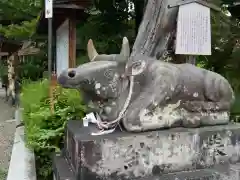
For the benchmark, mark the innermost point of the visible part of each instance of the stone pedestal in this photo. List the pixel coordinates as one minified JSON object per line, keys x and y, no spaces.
{"x":203,"y":153}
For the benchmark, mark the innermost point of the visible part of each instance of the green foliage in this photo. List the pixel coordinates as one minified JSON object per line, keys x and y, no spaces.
{"x":32,"y":68}
{"x":19,"y":9}
{"x":3,"y":70}
{"x":235,"y":110}
{"x":19,"y":31}
{"x":236,"y":106}
{"x":18,"y":18}
{"x":108,"y":23}
{"x":45,"y":130}
{"x":3,"y":174}
{"x":82,"y":59}
{"x":106,"y":37}
{"x":225,"y":49}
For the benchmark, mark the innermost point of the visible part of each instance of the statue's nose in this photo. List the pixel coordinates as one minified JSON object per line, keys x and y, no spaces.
{"x":71,"y":73}
{"x":62,"y":80}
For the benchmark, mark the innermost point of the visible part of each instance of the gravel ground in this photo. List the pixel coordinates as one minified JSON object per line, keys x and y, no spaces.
{"x":7,"y":130}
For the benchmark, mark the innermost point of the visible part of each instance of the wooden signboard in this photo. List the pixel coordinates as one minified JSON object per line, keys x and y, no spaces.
{"x":193,"y":30}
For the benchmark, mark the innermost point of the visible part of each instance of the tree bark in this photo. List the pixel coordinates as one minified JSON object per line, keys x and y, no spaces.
{"x":157,"y":30}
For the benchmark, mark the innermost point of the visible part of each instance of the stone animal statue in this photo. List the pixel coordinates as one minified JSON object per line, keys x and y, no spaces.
{"x":148,"y":94}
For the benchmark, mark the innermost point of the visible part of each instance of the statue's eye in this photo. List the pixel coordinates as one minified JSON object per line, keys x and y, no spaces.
{"x":71,"y":74}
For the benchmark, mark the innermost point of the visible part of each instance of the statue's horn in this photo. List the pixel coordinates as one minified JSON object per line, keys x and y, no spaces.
{"x":125,"y":51}
{"x":92,"y":53}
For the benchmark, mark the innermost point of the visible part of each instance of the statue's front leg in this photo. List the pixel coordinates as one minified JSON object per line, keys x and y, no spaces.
{"x":146,"y":112}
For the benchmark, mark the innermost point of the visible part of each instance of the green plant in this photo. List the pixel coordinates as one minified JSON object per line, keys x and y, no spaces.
{"x":235,"y":110}
{"x":3,"y":72}
{"x":44,"y":129}
{"x":3,"y":174}
{"x":32,"y":68}
{"x":81,"y":60}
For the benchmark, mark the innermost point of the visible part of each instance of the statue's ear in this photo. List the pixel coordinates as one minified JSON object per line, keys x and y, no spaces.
{"x":92,"y":53}
{"x":135,"y":68}
{"x":125,"y":51}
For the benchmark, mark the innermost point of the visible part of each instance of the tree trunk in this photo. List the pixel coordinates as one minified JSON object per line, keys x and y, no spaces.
{"x":157,"y":30}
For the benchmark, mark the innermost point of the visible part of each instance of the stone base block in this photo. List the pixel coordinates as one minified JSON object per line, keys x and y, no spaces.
{"x":63,"y":171}
{"x":124,"y":155}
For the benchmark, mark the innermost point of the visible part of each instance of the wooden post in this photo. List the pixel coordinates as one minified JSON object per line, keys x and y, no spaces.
{"x":191,"y":59}
{"x":11,"y":87}
{"x":15,"y":63}
{"x":49,"y":16}
{"x":72,"y":41}
{"x":52,"y":89}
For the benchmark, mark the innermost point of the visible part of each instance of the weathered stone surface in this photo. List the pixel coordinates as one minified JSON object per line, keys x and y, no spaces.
{"x":203,"y":174}
{"x":126,"y":155}
{"x":147,"y":94}
{"x":218,"y":172}
{"x":61,"y":169}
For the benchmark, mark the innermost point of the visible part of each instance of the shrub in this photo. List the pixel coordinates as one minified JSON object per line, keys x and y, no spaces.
{"x":3,"y":174}
{"x":32,"y":68}
{"x":235,"y":110}
{"x":45,"y":130}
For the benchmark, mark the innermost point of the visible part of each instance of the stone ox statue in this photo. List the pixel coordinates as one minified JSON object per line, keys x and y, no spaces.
{"x":147,"y":94}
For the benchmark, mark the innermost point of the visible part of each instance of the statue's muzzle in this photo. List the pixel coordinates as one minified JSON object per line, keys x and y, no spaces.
{"x":66,"y":76}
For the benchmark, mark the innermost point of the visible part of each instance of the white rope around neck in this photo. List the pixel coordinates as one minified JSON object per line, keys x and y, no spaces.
{"x":106,"y":125}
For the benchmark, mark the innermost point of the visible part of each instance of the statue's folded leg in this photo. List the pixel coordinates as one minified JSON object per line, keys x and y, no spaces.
{"x":205,"y":106}
{"x":202,"y":113}
{"x":195,"y":119}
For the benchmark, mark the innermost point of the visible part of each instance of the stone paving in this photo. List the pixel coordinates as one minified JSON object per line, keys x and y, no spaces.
{"x":7,"y":130}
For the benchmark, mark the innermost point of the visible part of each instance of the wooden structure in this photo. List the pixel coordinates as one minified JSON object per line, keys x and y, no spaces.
{"x":17,"y":51}
{"x":10,"y":49}
{"x":66,"y":14}
{"x":27,"y":50}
